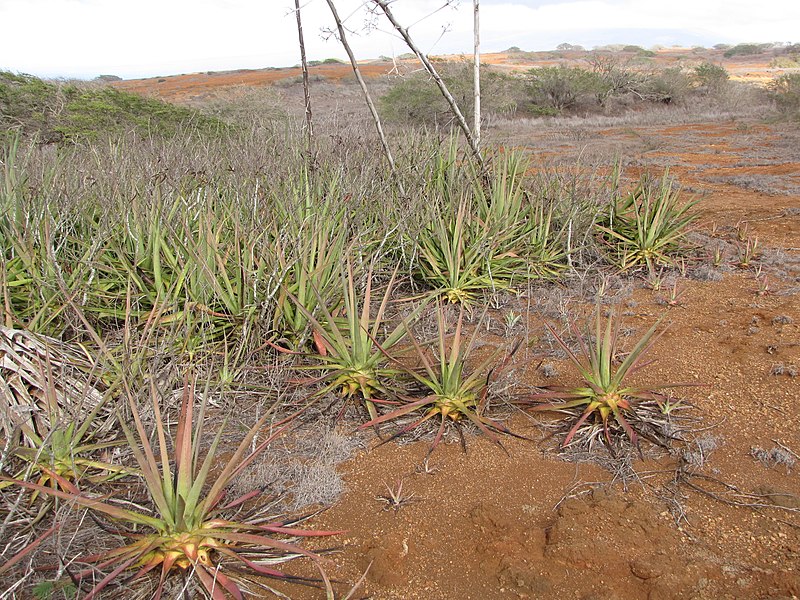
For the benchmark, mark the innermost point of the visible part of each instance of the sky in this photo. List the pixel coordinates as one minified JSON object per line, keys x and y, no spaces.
{"x":149,"y":38}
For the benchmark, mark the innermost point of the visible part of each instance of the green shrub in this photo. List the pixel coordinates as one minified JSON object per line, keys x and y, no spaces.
{"x":59,"y":112}
{"x":745,"y":50}
{"x":416,"y":99}
{"x":667,"y":86}
{"x":786,"y":92}
{"x":613,"y":79}
{"x":710,"y":78}
{"x":561,"y":88}
{"x":638,"y":50}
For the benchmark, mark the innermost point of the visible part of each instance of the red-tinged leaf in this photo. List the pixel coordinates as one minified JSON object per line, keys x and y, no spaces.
{"x":626,"y":426}
{"x":260,"y":540}
{"x":241,"y":500}
{"x":27,"y":550}
{"x":319,"y":342}
{"x":146,"y":569}
{"x":589,"y":410}
{"x":109,"y":578}
{"x":183,"y":441}
{"x":227,"y":583}
{"x":209,"y":583}
{"x":64,"y":483}
{"x":260,"y":569}
{"x":93,"y":503}
{"x":166,"y":565}
{"x":283,"y":350}
{"x":481,"y":424}
{"x":399,"y":412}
{"x":439,"y":435}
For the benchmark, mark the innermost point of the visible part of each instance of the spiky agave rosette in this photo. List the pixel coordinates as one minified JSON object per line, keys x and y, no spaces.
{"x":451,"y":394}
{"x":351,"y":347}
{"x":607,"y":404}
{"x":187,"y":531}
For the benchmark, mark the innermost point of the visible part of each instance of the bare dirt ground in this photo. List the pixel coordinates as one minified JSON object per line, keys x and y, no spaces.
{"x":716,"y":518}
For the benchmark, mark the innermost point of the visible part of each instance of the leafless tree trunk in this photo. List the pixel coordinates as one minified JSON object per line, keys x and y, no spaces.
{"x":462,"y":123}
{"x":387,"y":151}
{"x":476,"y":126}
{"x":306,"y":88}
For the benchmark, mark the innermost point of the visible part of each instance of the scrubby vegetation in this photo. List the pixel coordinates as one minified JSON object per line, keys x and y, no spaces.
{"x":67,"y":111}
{"x":171,"y":269}
{"x":786,"y":90}
{"x":607,"y":81}
{"x":417,"y":100}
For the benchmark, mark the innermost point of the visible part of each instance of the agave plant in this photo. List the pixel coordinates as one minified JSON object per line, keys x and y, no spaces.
{"x":647,"y":227}
{"x":53,"y":412}
{"x":310,"y":240}
{"x":187,"y":531}
{"x":545,"y":254}
{"x":451,"y":393}
{"x":352,"y":348}
{"x":453,"y":258}
{"x":606,"y":397}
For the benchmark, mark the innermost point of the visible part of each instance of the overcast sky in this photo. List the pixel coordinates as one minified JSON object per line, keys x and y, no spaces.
{"x":144,"y":38}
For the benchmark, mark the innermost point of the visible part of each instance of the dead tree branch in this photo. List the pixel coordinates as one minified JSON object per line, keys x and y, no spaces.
{"x":306,"y":88}
{"x":462,"y":123}
{"x":375,"y":117}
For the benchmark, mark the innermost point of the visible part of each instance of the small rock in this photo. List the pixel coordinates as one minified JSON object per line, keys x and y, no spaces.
{"x":645,"y":569}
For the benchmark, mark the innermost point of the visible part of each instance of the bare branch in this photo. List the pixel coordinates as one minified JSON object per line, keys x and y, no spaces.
{"x":387,"y":151}
{"x":306,"y":89}
{"x":462,"y":123}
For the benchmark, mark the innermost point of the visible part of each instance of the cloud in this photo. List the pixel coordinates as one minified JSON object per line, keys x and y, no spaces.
{"x":157,"y":37}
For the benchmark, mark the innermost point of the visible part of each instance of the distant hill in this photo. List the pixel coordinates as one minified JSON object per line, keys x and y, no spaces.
{"x":759,"y":67}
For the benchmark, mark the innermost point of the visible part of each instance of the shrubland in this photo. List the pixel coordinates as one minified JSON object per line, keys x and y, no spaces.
{"x":180,"y":268}
{"x":607,"y":83}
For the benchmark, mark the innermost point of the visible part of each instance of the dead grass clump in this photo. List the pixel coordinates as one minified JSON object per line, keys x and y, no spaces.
{"x":782,"y":369}
{"x":773,"y":457}
{"x":301,"y":473}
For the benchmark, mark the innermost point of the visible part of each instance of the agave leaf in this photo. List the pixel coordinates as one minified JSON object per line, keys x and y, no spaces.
{"x":258,"y":540}
{"x":110,"y":578}
{"x":183,"y":446}
{"x":236,"y":463}
{"x":93,"y":503}
{"x":9,"y":564}
{"x":209,"y":582}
